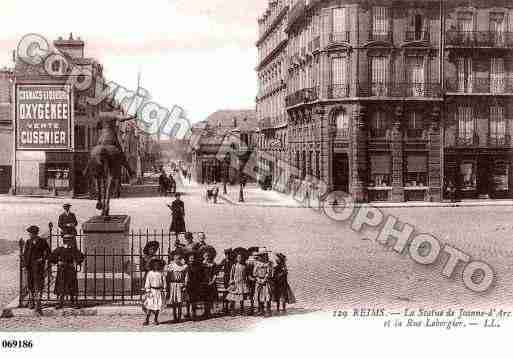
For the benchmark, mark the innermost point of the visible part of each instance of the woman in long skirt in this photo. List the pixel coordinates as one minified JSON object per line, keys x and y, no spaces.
{"x":193,"y":284}
{"x":177,"y":278}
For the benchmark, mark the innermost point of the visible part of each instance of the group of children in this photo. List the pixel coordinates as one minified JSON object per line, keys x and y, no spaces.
{"x":191,"y":276}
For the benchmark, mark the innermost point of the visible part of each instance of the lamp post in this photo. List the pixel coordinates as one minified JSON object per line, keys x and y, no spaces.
{"x":226,"y":173}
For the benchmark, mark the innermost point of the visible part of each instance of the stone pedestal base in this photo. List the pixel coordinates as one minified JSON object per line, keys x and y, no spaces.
{"x":107,"y":247}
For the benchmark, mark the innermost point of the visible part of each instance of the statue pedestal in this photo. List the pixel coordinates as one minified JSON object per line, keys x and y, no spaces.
{"x":107,"y":247}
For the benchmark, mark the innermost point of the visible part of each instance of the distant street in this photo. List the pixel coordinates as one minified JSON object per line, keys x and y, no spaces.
{"x":330,"y":266}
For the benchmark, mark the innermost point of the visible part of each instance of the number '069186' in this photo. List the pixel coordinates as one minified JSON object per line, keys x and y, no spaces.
{"x":17,"y":344}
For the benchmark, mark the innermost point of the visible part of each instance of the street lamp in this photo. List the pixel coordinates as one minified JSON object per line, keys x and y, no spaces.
{"x":226,"y":173}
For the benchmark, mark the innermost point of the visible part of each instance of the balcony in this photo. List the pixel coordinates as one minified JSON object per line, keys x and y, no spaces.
{"x":415,"y":133}
{"x":468,"y":140}
{"x":490,"y":39}
{"x":386,"y":37}
{"x":302,"y":96}
{"x":342,"y":133}
{"x":338,"y":91}
{"x":340,"y":37}
{"x":392,"y":89}
{"x":378,"y":133}
{"x":479,"y":85}
{"x":416,"y":36}
{"x":499,"y":140}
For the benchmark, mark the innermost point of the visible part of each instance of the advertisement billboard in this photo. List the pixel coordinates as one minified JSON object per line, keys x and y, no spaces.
{"x":43,"y":117}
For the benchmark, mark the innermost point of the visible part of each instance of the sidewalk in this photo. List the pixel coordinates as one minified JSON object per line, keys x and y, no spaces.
{"x":254,"y":196}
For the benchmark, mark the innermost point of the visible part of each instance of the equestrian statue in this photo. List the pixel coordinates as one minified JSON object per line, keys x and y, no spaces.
{"x":106,"y":160}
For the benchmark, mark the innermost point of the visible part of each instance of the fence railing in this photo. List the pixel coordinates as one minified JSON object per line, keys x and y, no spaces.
{"x":417,"y":35}
{"x":380,"y":36}
{"x":302,"y":96}
{"x":499,"y":39}
{"x":338,"y":91}
{"x":106,"y":276}
{"x":339,"y":37}
{"x":394,"y":89}
{"x":488,"y":85}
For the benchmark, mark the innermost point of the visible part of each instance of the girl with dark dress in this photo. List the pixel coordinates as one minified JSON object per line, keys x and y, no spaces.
{"x":66,"y":257}
{"x":177,"y":216}
{"x":281,"y":289}
{"x":209,"y":290}
{"x":192,"y":287}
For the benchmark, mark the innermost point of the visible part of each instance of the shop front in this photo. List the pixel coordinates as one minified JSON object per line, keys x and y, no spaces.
{"x":482,"y":175}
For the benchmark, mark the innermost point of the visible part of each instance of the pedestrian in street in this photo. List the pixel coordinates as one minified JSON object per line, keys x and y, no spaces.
{"x":172,"y":184}
{"x":238,"y":286}
{"x":215,"y":193}
{"x":67,"y":257}
{"x":177,"y":216}
{"x":262,"y":272}
{"x":163,"y":183}
{"x":35,"y":256}
{"x":177,"y":278}
{"x":193,"y":284}
{"x":208,"y":288}
{"x":68,"y":221}
{"x":154,"y":287}
{"x":282,"y":293}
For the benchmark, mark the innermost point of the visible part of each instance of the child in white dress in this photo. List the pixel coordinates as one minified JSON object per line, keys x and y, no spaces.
{"x":154,"y":287}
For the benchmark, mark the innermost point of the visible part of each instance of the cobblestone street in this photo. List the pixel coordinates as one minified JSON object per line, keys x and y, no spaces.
{"x":330,"y":266}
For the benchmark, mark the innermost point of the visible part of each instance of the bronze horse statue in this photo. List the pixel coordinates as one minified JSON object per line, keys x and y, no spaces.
{"x":106,"y":160}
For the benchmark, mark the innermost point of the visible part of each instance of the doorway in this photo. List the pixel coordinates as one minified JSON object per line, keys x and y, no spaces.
{"x":341,"y":172}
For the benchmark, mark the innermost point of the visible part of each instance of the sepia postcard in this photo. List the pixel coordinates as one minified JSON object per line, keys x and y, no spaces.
{"x":259,"y":177}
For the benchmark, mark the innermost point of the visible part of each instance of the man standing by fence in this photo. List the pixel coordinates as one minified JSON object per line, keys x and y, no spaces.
{"x":68,"y":221}
{"x":35,"y":256}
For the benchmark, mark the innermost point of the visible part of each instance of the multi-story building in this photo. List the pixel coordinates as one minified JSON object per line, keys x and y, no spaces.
{"x":272,"y":90}
{"x":386,"y":99}
{"x":479,"y":98}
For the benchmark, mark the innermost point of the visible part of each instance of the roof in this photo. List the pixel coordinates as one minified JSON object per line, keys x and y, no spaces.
{"x":244,"y":120}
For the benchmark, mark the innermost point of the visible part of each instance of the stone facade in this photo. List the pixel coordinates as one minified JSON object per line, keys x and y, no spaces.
{"x":374,"y":90}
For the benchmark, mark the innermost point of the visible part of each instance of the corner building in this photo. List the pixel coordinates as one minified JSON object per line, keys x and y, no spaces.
{"x":394,"y":100}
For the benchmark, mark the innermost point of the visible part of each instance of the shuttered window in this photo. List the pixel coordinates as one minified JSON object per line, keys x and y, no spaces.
{"x":339,"y":70}
{"x":497,"y":75}
{"x":465,"y":76}
{"x":379,"y":75}
{"x":340,"y":20}
{"x":416,"y":75}
{"x":497,"y":123}
{"x":465,"y":123}
{"x":380,"y":20}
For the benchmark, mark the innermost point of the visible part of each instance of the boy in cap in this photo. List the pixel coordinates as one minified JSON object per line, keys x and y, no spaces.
{"x":35,"y":255}
{"x":67,"y":257}
{"x":68,"y":221}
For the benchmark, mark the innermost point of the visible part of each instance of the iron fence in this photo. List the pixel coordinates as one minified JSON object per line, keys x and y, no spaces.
{"x":114,"y":277}
{"x":497,"y":39}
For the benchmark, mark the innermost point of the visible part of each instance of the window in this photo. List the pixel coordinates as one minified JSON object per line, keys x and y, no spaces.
{"x":497,"y":75}
{"x":416,"y":169}
{"x":468,"y":176}
{"x":465,"y":78}
{"x":340,"y":25}
{"x":415,"y":124}
{"x":379,"y":75}
{"x":465,"y":125}
{"x":500,"y":176}
{"x":497,"y":125}
{"x":381,"y":169}
{"x":379,"y":124}
{"x":342,"y":124}
{"x":380,"y":22}
{"x":466,"y":23}
{"x":339,"y":77}
{"x":416,"y":75}
{"x":497,"y":27}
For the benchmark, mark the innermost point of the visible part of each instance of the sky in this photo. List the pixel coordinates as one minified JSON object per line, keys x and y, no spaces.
{"x":196,"y":54}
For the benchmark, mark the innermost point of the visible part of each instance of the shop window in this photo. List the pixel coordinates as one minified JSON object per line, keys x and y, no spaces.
{"x":468,"y":176}
{"x":57,"y":176}
{"x":500,"y":176}
{"x":416,"y":171}
{"x":381,"y":170}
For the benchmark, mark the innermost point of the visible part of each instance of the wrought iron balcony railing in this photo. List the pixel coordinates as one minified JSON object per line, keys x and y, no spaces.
{"x":479,"y":39}
{"x":302,"y":96}
{"x":499,"y":140}
{"x":486,"y":85}
{"x":415,"y":133}
{"x":338,"y":91}
{"x":378,"y":133}
{"x":339,"y":37}
{"x":393,"y":89}
{"x":381,"y":36}
{"x":342,"y":132}
{"x":417,"y":36}
{"x":467,"y":140}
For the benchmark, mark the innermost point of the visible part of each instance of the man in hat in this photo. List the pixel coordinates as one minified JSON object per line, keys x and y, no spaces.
{"x":68,"y":221}
{"x":35,"y":255}
{"x":67,"y":257}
